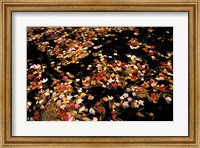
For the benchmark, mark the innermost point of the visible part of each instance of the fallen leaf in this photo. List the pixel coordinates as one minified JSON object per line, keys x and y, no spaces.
{"x":105,"y":99}
{"x":86,"y":119}
{"x":139,"y":114}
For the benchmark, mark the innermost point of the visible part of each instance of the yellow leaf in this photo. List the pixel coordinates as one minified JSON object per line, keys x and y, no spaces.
{"x":83,"y":55}
{"x":83,"y":94}
{"x":74,"y":59}
{"x":113,"y":106}
{"x":69,"y":90}
{"x":105,"y":68}
{"x":133,"y":62}
{"x":167,"y":57}
{"x":151,"y":114}
{"x":64,"y":100}
{"x":58,"y":104}
{"x":164,"y":71}
{"x":95,"y":54}
{"x":37,"y":98}
{"x":140,"y":60}
{"x":86,"y":110}
{"x":117,"y":75}
{"x":85,"y":119}
{"x":128,"y":77}
{"x":35,"y":72}
{"x":112,"y":75}
{"x":120,"y":84}
{"x":55,"y":98}
{"x":105,"y":99}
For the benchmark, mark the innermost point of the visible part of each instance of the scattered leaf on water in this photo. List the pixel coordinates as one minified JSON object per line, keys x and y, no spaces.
{"x":139,"y":114}
{"x":86,"y":119}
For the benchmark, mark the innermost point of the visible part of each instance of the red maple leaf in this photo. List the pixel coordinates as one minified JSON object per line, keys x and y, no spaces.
{"x":114,"y":85}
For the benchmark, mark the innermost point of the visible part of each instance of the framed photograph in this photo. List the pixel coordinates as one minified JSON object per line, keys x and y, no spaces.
{"x":108,"y":73}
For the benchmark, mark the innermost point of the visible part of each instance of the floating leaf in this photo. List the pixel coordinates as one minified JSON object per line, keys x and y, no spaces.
{"x":139,"y":114}
{"x":86,"y":119}
{"x":82,"y":109}
{"x":55,"y":98}
{"x":133,"y":104}
{"x":37,"y":98}
{"x":105,"y":99}
{"x":78,"y":116}
{"x":142,"y":94}
{"x":140,"y":109}
{"x":92,"y":111}
{"x":35,"y":72}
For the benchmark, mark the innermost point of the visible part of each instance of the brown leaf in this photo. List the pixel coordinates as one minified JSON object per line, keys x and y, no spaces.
{"x":139,"y":114}
{"x":133,"y":104}
{"x":86,"y":119}
{"x":142,"y":94}
{"x":77,"y":116}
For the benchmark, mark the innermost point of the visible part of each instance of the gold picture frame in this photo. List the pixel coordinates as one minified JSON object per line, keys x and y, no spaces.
{"x":9,"y":6}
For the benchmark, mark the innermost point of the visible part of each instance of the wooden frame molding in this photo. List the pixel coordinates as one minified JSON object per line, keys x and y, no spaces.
{"x":10,"y":6}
